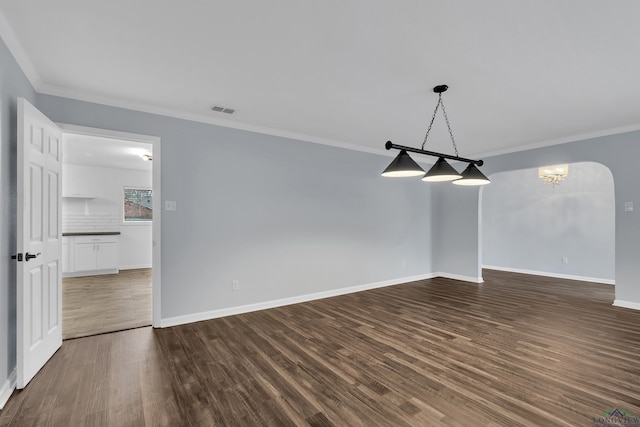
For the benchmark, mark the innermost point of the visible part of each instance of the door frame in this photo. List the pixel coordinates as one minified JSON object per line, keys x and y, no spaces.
{"x":155,"y":141}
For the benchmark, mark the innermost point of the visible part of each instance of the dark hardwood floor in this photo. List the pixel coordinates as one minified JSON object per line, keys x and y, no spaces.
{"x":516,"y":350}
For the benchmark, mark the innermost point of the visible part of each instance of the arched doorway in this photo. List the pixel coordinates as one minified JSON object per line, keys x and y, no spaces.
{"x":565,"y":231}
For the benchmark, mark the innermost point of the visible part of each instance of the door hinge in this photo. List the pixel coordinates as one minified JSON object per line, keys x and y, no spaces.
{"x":17,"y":256}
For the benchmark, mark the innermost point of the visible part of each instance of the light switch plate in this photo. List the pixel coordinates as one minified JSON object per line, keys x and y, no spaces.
{"x":170,"y":205}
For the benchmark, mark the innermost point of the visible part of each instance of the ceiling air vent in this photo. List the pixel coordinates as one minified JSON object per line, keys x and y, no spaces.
{"x":218,"y":109}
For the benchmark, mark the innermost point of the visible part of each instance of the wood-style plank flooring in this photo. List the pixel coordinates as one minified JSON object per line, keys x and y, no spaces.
{"x":516,"y":350}
{"x":106,"y":303}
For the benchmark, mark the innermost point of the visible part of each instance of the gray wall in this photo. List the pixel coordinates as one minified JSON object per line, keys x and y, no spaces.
{"x":13,"y":84}
{"x":455,"y":253}
{"x":530,"y":225}
{"x":286,"y":218}
{"x":617,"y":152}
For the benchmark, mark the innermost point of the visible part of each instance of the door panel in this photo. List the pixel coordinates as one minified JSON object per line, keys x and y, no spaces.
{"x":39,"y":279}
{"x":54,"y":301}
{"x":54,"y":190}
{"x":36,"y":285}
{"x":36,"y":213}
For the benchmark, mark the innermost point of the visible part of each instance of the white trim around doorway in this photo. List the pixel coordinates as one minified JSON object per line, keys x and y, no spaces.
{"x":157,"y":201}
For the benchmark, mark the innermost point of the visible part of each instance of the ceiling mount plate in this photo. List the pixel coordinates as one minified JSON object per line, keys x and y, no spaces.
{"x":440,"y":88}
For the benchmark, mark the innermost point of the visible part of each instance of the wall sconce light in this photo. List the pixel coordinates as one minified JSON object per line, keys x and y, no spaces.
{"x":553,"y":175}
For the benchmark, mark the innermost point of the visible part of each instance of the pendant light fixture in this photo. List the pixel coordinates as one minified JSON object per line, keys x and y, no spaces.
{"x":472,"y":176}
{"x":404,"y":165}
{"x":441,"y":171}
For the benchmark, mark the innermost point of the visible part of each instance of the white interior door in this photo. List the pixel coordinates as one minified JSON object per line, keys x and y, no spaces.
{"x":39,"y":241}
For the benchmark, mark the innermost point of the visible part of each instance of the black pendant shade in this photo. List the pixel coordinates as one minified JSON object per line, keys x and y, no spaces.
{"x":472,"y":176}
{"x":441,"y":171}
{"x":403,"y":165}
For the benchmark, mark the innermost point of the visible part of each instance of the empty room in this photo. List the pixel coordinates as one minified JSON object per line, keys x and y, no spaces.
{"x":352,"y":213}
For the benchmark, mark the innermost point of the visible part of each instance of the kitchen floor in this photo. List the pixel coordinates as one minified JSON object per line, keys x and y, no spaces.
{"x":106,"y":303}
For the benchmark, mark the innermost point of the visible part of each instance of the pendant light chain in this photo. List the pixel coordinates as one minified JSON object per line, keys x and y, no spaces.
{"x":432,"y":119}
{"x":446,"y":118}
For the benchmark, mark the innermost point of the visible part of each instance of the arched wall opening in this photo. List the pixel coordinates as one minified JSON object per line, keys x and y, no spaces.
{"x":565,"y":231}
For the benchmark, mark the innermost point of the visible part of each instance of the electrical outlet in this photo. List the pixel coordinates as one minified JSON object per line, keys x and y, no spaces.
{"x":235,"y":285}
{"x":565,"y":260}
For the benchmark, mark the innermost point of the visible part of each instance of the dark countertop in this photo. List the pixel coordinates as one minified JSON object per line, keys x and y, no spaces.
{"x":92,"y":233}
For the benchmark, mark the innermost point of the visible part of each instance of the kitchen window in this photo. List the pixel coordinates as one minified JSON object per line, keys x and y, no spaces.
{"x":138,"y":204}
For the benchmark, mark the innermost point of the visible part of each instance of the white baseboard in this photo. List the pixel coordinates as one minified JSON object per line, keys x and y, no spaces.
{"x":214,"y":314}
{"x":136,"y":267}
{"x":555,"y":275}
{"x":459,"y":277}
{"x":7,"y":388}
{"x":90,"y":273}
{"x":626,"y":304}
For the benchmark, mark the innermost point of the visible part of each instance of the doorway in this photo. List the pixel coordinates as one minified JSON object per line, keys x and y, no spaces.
{"x":111,"y":231}
{"x":39,"y":237}
{"x":564,"y":229}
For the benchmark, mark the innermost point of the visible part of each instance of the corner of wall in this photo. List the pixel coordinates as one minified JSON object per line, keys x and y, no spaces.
{"x":462,"y":278}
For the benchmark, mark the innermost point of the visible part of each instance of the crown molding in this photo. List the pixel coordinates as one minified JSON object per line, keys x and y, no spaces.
{"x":15,"y":47}
{"x":64,"y":92}
{"x":563,"y":140}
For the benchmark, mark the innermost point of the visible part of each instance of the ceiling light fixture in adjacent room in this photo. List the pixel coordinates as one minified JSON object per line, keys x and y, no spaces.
{"x":553,"y":175}
{"x":403,"y":165}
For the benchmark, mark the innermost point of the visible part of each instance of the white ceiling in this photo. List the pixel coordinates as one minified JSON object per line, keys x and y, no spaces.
{"x":87,"y":150}
{"x":354,"y":73}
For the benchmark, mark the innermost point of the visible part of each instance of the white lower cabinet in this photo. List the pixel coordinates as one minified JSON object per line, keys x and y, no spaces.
{"x":107,"y":256}
{"x":67,"y":254}
{"x":90,"y":255}
{"x":85,"y":254}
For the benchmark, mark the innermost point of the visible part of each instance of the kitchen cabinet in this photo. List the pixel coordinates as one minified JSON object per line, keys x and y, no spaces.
{"x":67,"y":255}
{"x":89,"y":255}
